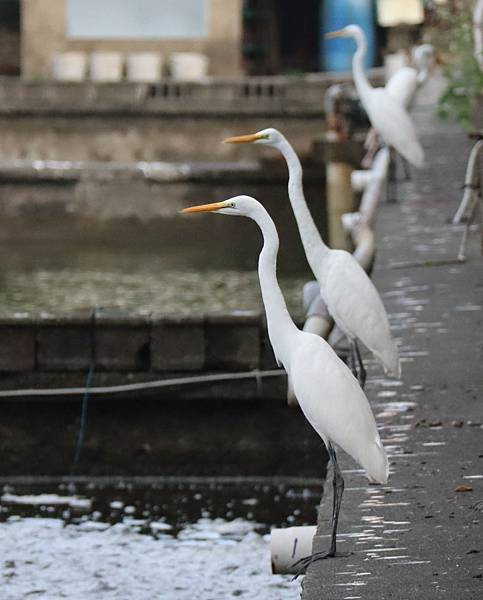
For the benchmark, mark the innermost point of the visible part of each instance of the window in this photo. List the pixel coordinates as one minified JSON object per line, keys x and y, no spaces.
{"x":137,"y":19}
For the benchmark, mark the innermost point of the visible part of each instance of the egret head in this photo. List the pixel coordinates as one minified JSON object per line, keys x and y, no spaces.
{"x":424,"y":57}
{"x":269,"y":137}
{"x":353,"y":31}
{"x":242,"y":206}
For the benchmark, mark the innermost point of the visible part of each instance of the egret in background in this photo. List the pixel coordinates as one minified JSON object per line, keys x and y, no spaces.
{"x":350,"y":296}
{"x":386,"y":114}
{"x":402,"y":86}
{"x":328,"y":394}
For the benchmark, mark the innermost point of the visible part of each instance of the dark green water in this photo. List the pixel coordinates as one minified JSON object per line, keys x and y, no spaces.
{"x":184,"y":279}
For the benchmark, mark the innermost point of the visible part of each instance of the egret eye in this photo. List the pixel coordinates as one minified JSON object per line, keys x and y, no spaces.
{"x":233,"y":205}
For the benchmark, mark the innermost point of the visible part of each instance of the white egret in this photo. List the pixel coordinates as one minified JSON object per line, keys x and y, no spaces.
{"x":386,"y":114}
{"x":350,"y":296}
{"x":328,"y":393}
{"x":403,"y":84}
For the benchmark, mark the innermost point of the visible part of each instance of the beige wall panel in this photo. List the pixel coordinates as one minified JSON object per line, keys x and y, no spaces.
{"x":44,"y":34}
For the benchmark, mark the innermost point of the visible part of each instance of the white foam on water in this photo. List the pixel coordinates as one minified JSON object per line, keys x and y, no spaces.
{"x":45,"y":559}
{"x":47,"y":500}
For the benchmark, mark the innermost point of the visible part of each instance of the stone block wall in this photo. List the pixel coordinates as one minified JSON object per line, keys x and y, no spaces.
{"x":118,"y":341}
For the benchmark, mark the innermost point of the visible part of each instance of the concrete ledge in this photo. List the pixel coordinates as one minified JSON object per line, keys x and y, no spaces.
{"x":233,"y":341}
{"x":64,"y":342}
{"x":121,"y":341}
{"x":177,"y":343}
{"x":17,"y":344}
{"x":231,"y":96}
{"x":93,"y":200}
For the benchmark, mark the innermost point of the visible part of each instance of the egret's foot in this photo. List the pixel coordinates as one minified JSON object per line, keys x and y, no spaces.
{"x":303,"y":563}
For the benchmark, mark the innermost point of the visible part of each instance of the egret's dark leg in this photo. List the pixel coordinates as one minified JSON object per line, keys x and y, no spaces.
{"x":406,"y":169}
{"x":352,"y":360}
{"x":361,"y":370}
{"x":356,"y":364}
{"x":338,"y":490}
{"x":392,"y":178}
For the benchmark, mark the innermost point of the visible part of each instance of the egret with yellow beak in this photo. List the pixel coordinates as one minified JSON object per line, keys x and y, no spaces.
{"x":328,"y":394}
{"x":386,"y":114}
{"x":350,"y":296}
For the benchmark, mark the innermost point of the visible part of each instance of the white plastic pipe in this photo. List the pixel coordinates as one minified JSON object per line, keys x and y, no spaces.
{"x":478,"y":32}
{"x":360,"y":179}
{"x":289,"y":545}
{"x":375,"y":190}
{"x":470,"y":179}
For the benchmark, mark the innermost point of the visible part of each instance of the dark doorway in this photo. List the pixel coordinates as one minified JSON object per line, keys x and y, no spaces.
{"x":281,"y":36}
{"x":10,"y":37}
{"x":299,"y":25}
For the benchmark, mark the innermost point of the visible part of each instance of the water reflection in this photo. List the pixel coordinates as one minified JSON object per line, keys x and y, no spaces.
{"x":168,"y":504}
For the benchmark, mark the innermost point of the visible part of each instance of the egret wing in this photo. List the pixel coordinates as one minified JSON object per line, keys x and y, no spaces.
{"x":356,"y":306}
{"x":334,"y":404}
{"x":394,"y":125}
{"x":402,"y":85}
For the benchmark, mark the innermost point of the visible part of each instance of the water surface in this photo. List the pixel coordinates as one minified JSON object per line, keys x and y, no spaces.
{"x":168,"y":280}
{"x":169,"y":541}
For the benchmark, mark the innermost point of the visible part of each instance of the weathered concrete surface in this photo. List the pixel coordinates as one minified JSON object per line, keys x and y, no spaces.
{"x":139,"y":203}
{"x":118,"y":341}
{"x":169,"y":121}
{"x":161,"y":436}
{"x":418,"y":536}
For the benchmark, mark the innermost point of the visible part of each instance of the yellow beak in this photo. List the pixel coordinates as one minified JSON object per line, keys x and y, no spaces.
{"x":335,"y":34}
{"x":243,"y":139}
{"x":204,"y":207}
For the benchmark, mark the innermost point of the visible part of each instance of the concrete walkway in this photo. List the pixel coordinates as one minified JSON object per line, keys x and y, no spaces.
{"x":420,"y":536}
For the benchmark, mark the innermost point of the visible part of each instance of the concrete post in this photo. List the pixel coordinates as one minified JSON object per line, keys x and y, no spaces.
{"x":339,"y":158}
{"x":339,"y":201}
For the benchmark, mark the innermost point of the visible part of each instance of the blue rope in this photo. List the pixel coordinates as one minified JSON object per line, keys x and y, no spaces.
{"x":83,"y":419}
{"x":85,"y":397}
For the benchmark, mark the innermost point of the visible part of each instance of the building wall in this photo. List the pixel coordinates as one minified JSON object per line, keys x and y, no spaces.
{"x":44,"y":32}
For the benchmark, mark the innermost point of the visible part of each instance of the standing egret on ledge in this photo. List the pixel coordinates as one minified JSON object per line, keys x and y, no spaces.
{"x":350,"y":296}
{"x":403,"y":84}
{"x":328,"y":393}
{"x":386,"y":114}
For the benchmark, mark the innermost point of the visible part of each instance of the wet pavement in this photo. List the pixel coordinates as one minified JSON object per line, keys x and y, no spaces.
{"x":420,"y":536}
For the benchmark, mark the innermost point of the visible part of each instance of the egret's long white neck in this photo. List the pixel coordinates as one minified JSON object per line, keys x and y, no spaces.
{"x":281,"y":328}
{"x":311,"y":238}
{"x":360,"y":78}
